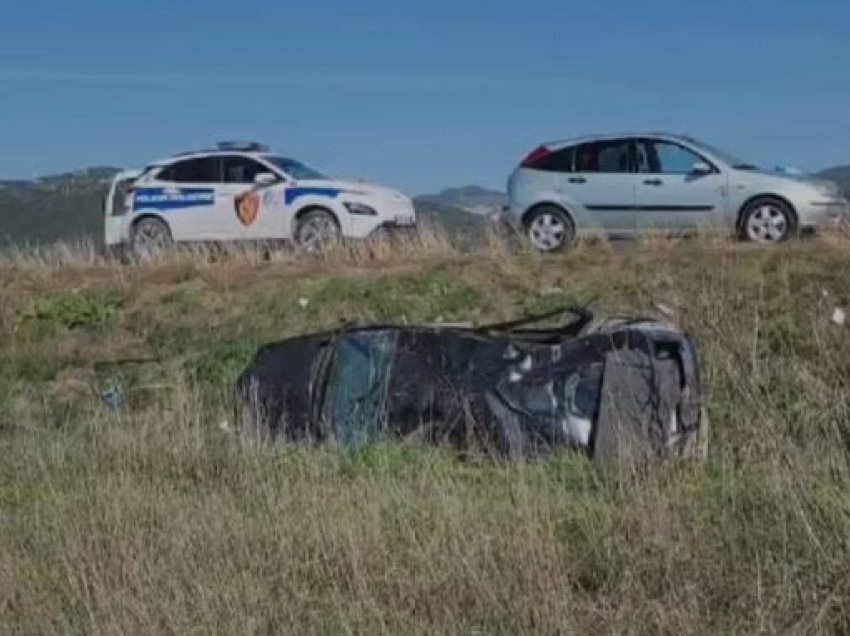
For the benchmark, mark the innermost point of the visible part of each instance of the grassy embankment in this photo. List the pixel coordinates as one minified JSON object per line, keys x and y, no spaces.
{"x":147,"y":520}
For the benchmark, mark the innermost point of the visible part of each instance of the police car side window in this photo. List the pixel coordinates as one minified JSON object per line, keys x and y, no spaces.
{"x":201,"y":170}
{"x":241,"y":169}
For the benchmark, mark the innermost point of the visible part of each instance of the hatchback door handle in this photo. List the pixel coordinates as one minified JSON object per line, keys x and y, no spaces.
{"x":577,"y":180}
{"x":653,"y":182}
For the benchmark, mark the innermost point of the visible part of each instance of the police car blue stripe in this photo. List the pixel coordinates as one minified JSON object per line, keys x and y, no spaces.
{"x":165,"y":199}
{"x":294,"y":193}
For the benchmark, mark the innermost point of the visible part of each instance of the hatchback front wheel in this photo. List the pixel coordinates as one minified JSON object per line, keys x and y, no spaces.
{"x":767,"y":221}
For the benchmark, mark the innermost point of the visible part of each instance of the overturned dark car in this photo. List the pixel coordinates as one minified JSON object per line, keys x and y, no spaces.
{"x":612,"y":388}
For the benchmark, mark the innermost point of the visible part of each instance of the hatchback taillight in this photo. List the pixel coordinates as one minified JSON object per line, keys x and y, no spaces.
{"x":535,"y":157}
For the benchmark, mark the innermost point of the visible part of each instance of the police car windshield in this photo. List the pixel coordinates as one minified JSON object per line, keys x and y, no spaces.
{"x":295,"y":169}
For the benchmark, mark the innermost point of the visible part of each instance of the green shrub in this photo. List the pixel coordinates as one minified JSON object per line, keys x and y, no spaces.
{"x":72,"y":311}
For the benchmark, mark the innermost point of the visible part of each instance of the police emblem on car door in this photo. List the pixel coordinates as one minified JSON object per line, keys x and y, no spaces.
{"x":247,"y":207}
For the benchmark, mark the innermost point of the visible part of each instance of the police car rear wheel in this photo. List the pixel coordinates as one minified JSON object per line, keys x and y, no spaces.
{"x":316,"y":230}
{"x":151,"y":238}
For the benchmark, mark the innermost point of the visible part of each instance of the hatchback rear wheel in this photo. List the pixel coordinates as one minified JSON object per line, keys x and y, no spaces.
{"x":549,"y":229}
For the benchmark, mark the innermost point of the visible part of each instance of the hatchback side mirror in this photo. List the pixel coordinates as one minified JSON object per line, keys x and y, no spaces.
{"x":700,"y":168}
{"x":265,"y":178}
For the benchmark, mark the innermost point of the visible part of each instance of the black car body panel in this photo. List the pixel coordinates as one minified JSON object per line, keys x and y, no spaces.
{"x":603,"y":386}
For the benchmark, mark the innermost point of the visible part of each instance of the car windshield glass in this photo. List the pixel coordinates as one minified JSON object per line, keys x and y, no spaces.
{"x":295,"y":169}
{"x":730,"y":160}
{"x":355,"y":401}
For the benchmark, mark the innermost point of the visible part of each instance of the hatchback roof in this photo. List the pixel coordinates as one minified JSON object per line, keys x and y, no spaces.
{"x":621,"y":135}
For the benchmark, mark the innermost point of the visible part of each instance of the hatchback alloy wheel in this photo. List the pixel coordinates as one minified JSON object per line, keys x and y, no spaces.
{"x":767,"y":223}
{"x":549,"y":230}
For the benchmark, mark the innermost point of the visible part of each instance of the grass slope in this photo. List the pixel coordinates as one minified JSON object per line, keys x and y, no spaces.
{"x":148,"y":520}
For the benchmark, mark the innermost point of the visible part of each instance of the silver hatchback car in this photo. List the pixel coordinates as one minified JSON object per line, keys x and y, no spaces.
{"x":622,"y":184}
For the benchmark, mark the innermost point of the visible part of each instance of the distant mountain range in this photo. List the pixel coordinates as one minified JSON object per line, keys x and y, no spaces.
{"x":54,"y":207}
{"x":472,"y":199}
{"x":69,"y":205}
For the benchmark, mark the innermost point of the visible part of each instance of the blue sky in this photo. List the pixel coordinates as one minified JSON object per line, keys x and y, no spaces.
{"x":422,"y":94}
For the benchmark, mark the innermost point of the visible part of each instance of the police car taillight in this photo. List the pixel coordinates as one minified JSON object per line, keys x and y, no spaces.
{"x":122,"y":198}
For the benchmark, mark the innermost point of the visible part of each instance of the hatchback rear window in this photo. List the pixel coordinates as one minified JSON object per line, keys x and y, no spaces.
{"x":604,"y":156}
{"x":559,"y":161}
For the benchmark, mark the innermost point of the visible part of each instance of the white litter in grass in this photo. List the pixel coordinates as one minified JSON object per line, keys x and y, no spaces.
{"x":224,"y":425}
{"x":304,"y":302}
{"x":666,"y":310}
{"x":578,"y":430}
{"x":839,"y":316}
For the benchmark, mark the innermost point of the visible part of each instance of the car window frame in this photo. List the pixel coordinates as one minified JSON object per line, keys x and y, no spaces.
{"x":618,"y":140}
{"x":216,"y":159}
{"x":223,"y":168}
{"x":655,"y":163}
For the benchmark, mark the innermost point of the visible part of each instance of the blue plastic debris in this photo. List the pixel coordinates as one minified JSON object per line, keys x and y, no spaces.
{"x":114,"y":398}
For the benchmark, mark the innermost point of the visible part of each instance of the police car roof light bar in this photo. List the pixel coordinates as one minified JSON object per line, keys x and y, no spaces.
{"x":244,"y":146}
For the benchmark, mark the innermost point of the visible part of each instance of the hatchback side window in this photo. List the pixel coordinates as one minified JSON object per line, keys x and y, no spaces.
{"x":605,"y":156}
{"x":674,"y":159}
{"x":239,"y":169}
{"x":201,"y":170}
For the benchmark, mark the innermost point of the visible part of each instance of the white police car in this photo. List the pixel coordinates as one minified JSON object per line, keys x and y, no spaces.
{"x":241,"y":191}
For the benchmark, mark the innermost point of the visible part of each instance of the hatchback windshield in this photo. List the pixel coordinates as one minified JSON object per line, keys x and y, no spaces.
{"x":295,"y":169}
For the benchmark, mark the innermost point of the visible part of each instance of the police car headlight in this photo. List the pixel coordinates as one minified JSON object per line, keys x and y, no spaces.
{"x":361,"y":208}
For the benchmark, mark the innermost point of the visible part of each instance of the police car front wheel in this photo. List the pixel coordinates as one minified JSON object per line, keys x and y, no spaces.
{"x":316,"y":229}
{"x":150,"y":239}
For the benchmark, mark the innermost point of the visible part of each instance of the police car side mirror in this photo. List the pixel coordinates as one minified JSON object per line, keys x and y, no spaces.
{"x":265,"y":178}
